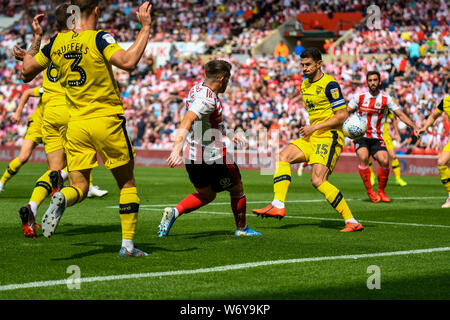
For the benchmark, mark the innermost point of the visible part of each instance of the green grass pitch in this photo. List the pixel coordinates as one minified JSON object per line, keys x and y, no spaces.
{"x":279,"y":265}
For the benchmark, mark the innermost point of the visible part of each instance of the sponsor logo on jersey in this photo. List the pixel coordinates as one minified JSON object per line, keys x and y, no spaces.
{"x":311,"y":106}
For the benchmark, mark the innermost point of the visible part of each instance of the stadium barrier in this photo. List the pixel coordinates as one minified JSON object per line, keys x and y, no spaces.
{"x":418,"y":165}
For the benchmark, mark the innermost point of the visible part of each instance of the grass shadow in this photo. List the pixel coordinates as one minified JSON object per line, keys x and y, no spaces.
{"x":90,"y":229}
{"x":114,"y":249}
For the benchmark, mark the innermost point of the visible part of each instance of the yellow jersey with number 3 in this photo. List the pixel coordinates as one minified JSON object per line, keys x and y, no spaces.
{"x":85,"y":73}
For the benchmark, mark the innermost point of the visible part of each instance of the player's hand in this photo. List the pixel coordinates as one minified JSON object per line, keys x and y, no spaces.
{"x":307,"y":130}
{"x":240,"y":140}
{"x":422,"y":130}
{"x":16,"y":117}
{"x":175,"y":158}
{"x":36,"y":25}
{"x":19,"y":53}
{"x":417,"y":133}
{"x":144,"y":14}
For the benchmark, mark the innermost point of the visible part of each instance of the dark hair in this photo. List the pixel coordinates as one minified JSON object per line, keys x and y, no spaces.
{"x":371,"y":73}
{"x":86,"y":6}
{"x":62,"y":16}
{"x":217,"y":68}
{"x":313,"y":53}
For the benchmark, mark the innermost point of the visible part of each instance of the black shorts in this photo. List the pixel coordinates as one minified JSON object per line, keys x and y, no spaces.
{"x":219,"y":176}
{"x":373,"y":145}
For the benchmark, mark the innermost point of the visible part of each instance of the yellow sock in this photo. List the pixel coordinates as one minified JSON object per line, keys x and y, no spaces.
{"x":73,"y":195}
{"x":336,"y":199}
{"x":90,"y":179}
{"x":13,"y":168}
{"x":396,"y":168}
{"x":444,"y":173}
{"x":129,"y":208}
{"x":370,"y":167}
{"x":281,"y":181}
{"x":42,"y":189}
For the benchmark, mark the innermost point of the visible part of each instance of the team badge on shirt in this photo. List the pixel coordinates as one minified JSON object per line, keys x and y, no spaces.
{"x":108,"y":38}
{"x":335,"y":93}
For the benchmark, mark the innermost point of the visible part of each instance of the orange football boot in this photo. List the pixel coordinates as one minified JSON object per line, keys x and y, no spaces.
{"x":374,"y":197}
{"x":270,"y":211}
{"x":383,"y":196}
{"x":351,"y":226}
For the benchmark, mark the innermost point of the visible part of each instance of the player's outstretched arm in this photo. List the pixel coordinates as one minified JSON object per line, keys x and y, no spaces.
{"x":128,"y":59}
{"x":396,"y":130}
{"x":403,"y":117}
{"x":175,"y":157}
{"x":430,"y":121}
{"x":23,"y":100}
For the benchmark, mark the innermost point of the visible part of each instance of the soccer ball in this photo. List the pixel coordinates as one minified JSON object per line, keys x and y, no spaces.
{"x":354,"y":127}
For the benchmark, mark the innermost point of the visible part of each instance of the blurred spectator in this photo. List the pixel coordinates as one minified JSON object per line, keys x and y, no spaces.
{"x":299,"y":48}
{"x":281,"y":51}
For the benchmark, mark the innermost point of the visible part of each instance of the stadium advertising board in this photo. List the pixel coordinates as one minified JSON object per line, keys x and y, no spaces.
{"x":418,"y":165}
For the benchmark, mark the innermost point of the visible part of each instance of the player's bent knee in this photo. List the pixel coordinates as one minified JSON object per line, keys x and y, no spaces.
{"x":317,"y":181}
{"x":207,"y":196}
{"x":291,"y":154}
{"x":384,"y":162}
{"x":442,"y":162}
{"x":24,"y":156}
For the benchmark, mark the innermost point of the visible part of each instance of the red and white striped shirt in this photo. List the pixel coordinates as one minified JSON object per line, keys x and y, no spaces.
{"x":204,"y":141}
{"x":374,"y":109}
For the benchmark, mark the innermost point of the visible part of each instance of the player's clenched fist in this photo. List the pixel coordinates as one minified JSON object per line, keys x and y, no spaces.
{"x":144,"y":14}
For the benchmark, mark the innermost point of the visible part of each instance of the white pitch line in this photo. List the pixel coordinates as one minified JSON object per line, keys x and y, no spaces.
{"x":40,"y":284}
{"x":329,"y":219}
{"x":289,"y":201}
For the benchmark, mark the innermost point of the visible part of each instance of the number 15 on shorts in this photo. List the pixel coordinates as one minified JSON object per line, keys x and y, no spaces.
{"x":322,"y":149}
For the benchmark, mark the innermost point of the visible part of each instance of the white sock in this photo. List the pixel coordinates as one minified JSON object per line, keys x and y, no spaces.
{"x":64,"y":174}
{"x":33,"y":205}
{"x":352,"y":220}
{"x":1,"y":185}
{"x":278,"y":204}
{"x":176,"y":213}
{"x":128,"y":243}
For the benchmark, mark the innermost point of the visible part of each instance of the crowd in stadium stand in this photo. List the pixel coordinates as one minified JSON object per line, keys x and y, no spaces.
{"x":415,"y":69}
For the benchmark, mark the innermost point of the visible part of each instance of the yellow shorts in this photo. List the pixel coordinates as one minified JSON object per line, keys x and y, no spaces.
{"x":54,"y":127}
{"x":324,"y":149}
{"x":34,"y":130}
{"x":105,"y":135}
{"x":388,"y":141}
{"x":447,"y":147}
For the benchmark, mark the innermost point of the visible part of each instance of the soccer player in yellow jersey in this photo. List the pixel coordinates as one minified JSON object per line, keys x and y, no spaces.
{"x":444,"y":156}
{"x":391,"y":151}
{"x":53,"y":124}
{"x":320,"y":145}
{"x":84,"y":59}
{"x":32,"y":137}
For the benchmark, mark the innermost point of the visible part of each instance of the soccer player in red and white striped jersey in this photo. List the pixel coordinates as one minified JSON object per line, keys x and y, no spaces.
{"x":210,"y":168}
{"x":373,"y":106}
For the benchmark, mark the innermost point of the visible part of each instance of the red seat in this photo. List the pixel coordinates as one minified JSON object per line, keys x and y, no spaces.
{"x":418,"y":151}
